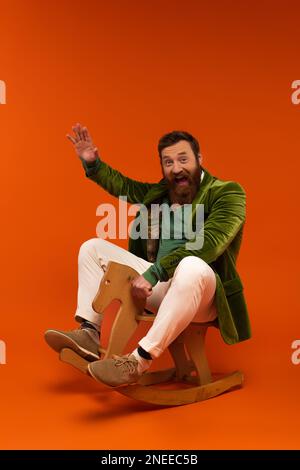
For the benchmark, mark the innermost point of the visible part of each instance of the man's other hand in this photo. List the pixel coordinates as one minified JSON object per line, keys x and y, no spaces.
{"x":83,"y":143}
{"x":141,"y":288}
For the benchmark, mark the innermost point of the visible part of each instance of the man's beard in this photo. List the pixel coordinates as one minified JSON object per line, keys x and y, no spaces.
{"x":185,"y":193}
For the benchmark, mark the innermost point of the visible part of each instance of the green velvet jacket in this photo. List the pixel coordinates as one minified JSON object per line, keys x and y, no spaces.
{"x":224,"y":217}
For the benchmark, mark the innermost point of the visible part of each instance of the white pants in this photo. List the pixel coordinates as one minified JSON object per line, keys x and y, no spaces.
{"x":188,"y":296}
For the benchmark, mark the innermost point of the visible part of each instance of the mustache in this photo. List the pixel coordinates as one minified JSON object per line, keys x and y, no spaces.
{"x":177,"y":178}
{"x":181,"y":175}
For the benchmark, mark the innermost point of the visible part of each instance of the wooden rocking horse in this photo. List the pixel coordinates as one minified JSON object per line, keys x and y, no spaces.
{"x":191,"y":370}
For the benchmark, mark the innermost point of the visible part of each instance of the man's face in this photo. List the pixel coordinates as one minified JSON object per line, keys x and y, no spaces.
{"x":182,"y":171}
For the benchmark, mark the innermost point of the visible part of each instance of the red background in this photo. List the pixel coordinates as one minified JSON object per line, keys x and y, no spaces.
{"x":132,"y":71}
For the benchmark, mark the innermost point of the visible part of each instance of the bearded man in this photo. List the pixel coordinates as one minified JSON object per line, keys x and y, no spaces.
{"x":180,"y":282}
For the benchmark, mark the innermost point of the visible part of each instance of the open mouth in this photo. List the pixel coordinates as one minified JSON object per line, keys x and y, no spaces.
{"x":181,"y":180}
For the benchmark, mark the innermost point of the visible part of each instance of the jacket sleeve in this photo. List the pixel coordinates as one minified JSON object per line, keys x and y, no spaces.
{"x":115,"y":182}
{"x":226,"y":218}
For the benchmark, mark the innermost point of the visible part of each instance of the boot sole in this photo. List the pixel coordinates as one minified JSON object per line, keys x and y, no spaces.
{"x":59,"y":341}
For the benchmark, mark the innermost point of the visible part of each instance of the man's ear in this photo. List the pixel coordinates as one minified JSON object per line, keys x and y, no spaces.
{"x":200,"y":158}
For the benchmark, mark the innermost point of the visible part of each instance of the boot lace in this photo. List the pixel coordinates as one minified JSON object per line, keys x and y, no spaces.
{"x":130,"y":364}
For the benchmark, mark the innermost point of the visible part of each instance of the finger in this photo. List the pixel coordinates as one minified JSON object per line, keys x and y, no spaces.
{"x":75,"y":135}
{"x":80,"y":131}
{"x":86,"y":134}
{"x":148,"y":291}
{"x":71,"y":139}
{"x":138,"y":293}
{"x":75,"y":130}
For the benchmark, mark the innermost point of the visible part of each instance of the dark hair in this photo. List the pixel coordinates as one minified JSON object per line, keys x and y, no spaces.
{"x":175,"y":136}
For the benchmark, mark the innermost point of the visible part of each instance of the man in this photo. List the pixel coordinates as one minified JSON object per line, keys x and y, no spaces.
{"x":179,"y":284}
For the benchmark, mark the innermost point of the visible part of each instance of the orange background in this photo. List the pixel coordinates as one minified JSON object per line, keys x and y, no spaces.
{"x":132,"y":71}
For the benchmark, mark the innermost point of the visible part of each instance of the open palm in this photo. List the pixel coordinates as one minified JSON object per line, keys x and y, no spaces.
{"x":83,"y":143}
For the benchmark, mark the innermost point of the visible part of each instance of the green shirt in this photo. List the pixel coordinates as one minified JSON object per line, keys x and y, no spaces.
{"x":172,"y":228}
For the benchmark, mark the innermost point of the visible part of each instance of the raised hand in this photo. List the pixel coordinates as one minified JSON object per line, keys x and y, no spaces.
{"x":83,"y":143}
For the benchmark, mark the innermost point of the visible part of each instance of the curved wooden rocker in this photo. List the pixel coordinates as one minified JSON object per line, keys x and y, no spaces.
{"x":191,"y":371}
